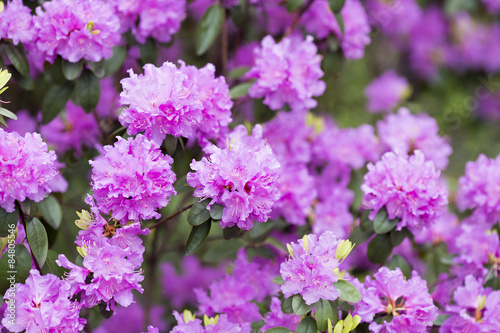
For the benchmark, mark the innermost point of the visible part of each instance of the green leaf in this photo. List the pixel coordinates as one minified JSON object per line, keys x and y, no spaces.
{"x":7,"y":113}
{"x":20,"y":263}
{"x":88,"y":91}
{"x":260,"y":231}
{"x":293,"y":5}
{"x":148,"y":51}
{"x":379,"y":249}
{"x":324,"y":311}
{"x":24,"y":81}
{"x":114,"y":63}
{"x":286,"y":305}
{"x":18,"y":59}
{"x":358,"y":236}
{"x":397,"y":237}
{"x":347,"y":291}
{"x":197,"y":237}
{"x":307,"y":325}
{"x":55,"y":100}
{"x":365,"y":223}
{"x":71,"y":70}
{"x":51,"y":267}
{"x":336,"y":5}
{"x":278,"y":330}
{"x":170,"y":144}
{"x":37,"y":239}
{"x":239,"y":13}
{"x":216,"y":211}
{"x":51,"y":211}
{"x":181,"y":185}
{"x":224,"y":250}
{"x":300,"y":307}
{"x":230,"y":232}
{"x":279,"y":280}
{"x":240,"y":90}
{"x":199,"y":213}
{"x":382,"y":224}
{"x":98,"y":68}
{"x":238,"y":72}
{"x":398,"y":261}
{"x":6,"y":220}
{"x":209,"y":28}
{"x":440,"y":320}
{"x":340,"y":21}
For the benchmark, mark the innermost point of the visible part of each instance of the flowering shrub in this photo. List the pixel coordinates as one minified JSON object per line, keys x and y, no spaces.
{"x":251,"y":166}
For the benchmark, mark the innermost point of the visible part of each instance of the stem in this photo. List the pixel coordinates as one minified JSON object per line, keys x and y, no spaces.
{"x":156,"y":225}
{"x":23,"y":221}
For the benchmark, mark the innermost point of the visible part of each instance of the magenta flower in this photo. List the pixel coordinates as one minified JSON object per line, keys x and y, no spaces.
{"x":394,"y":19}
{"x":27,"y":169}
{"x":131,"y":319}
{"x":478,"y":189}
{"x":408,"y":187}
{"x":242,"y":177}
{"x":194,"y":325}
{"x":16,"y":23}
{"x":43,"y":304}
{"x":132,"y":179}
{"x":405,"y":132}
{"x":332,"y":211}
{"x":276,"y":317}
{"x":309,"y":270}
{"x":287,"y":72}
{"x":386,"y":92}
{"x":403,"y":305}
{"x":76,"y":29}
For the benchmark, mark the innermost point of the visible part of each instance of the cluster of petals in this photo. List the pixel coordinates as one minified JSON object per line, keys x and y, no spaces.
{"x":181,"y":102}
{"x":394,"y":18}
{"x":132,"y":179}
{"x":408,"y":187}
{"x":76,"y":29}
{"x":478,"y":189}
{"x":27,"y":168}
{"x":276,"y":317}
{"x":407,"y":132}
{"x":42,"y":304}
{"x":476,"y":309}
{"x":16,"y":23}
{"x":310,"y":269}
{"x":287,"y":72}
{"x":242,"y":178}
{"x":386,"y":92}
{"x":194,"y":325}
{"x":388,"y":293}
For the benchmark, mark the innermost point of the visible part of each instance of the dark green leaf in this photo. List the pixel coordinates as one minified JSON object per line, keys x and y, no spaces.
{"x":209,"y":28}
{"x":6,"y":220}
{"x":114,"y":63}
{"x":98,"y":68}
{"x":170,"y":144}
{"x":197,"y":237}
{"x":106,"y":314}
{"x":20,"y":263}
{"x":230,"y":232}
{"x":24,"y":81}
{"x":37,"y":239}
{"x":216,"y":211}
{"x":397,"y":237}
{"x":260,"y":230}
{"x":278,"y":330}
{"x":199,"y":213}
{"x":307,"y":325}
{"x":365,"y":223}
{"x":51,"y":267}
{"x":324,"y":312}
{"x":398,"y":261}
{"x":357,"y":236}
{"x":347,"y":291}
{"x":238,"y":13}
{"x":224,"y":250}
{"x":240,"y":90}
{"x":51,"y":211}
{"x":18,"y":59}
{"x":379,"y":249}
{"x":299,"y":306}
{"x":382,"y":224}
{"x":55,"y":100}
{"x":181,"y":185}
{"x":286,"y":305}
{"x":148,"y":51}
{"x":238,"y":72}
{"x":71,"y":70}
{"x":340,"y":21}
{"x":279,"y":280}
{"x":293,"y":5}
{"x":336,"y":5}
{"x":88,"y":91}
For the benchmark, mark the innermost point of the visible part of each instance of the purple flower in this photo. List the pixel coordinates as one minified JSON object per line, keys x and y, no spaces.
{"x":386,"y":92}
{"x":309,"y":270}
{"x":26,"y":168}
{"x":78,"y":29}
{"x":131,"y":319}
{"x":476,"y":309}
{"x":16,"y":23}
{"x":132,"y":179}
{"x":242,"y":177}
{"x":394,"y":18}
{"x":73,"y":130}
{"x":220,"y":324}
{"x":287,"y":72}
{"x":23,"y":124}
{"x":356,"y":30}
{"x":408,"y":187}
{"x":276,"y":317}
{"x":43,"y":304}
{"x":152,"y":329}
{"x":389,"y":295}
{"x":492,"y":5}
{"x":478,"y":189}
{"x":405,"y":132}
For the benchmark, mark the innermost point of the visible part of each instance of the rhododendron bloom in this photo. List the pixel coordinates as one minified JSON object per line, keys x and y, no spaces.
{"x":386,"y":92}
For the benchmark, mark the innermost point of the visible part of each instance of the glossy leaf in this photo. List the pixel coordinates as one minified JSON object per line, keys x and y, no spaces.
{"x":216,"y":211}
{"x":324,"y":311}
{"x":71,"y":70}
{"x":307,"y":325}
{"x":7,"y":219}
{"x":347,"y":291}
{"x":382,"y":224}
{"x":286,"y":305}
{"x":37,"y":239}
{"x":230,"y":232}
{"x":397,"y":237}
{"x":293,"y":5}
{"x":336,"y":5}
{"x":197,"y":237}
{"x":278,"y":330}
{"x":18,"y":59}
{"x":51,"y":267}
{"x":240,"y":90}
{"x":300,"y":307}
{"x":279,"y":280}
{"x":209,"y":28}
{"x":55,"y":100}
{"x":51,"y":211}
{"x":398,"y":261}
{"x":379,"y":249}
{"x":199,"y":213}
{"x":20,"y":263}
